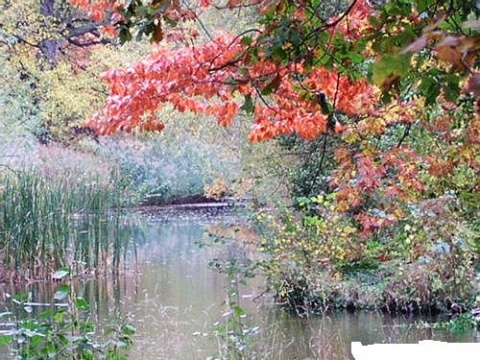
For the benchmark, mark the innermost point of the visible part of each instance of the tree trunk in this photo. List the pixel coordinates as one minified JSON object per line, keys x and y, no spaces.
{"x":49,"y":47}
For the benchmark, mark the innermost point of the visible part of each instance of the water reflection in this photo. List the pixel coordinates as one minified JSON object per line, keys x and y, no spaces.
{"x":180,"y":300}
{"x":329,"y":337}
{"x":174,"y":300}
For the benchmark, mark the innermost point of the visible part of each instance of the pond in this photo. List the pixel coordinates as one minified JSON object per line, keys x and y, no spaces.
{"x":177,"y":302}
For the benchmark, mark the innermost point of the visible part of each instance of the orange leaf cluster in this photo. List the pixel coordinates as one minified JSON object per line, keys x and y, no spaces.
{"x":386,"y":176}
{"x":356,"y":22}
{"x":182,"y":78}
{"x":97,"y":10}
{"x":204,"y":80}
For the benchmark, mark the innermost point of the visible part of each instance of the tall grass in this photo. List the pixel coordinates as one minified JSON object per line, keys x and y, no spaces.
{"x":51,"y":221}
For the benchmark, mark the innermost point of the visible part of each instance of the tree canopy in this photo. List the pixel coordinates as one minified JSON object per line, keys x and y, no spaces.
{"x":396,"y":82}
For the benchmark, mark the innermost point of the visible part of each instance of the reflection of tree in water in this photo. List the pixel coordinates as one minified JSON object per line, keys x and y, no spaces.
{"x":174,"y":300}
{"x":330,"y":336}
{"x":289,"y":337}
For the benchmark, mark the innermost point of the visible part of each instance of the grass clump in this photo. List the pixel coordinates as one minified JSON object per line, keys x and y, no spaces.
{"x":54,"y":216}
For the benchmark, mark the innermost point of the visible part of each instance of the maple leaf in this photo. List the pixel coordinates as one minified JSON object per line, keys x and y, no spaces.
{"x":355,"y":21}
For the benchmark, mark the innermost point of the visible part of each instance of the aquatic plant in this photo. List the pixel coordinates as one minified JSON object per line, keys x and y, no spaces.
{"x":62,"y":329}
{"x":51,"y":221}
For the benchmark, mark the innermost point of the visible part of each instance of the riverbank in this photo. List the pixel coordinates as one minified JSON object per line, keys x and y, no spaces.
{"x":308,"y":275}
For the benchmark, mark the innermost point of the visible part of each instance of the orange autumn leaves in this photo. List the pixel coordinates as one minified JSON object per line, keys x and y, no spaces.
{"x":206,"y":80}
{"x":228,"y":75}
{"x":183,"y":78}
{"x":293,"y":111}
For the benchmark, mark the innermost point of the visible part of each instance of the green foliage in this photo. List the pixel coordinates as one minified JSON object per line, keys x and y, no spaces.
{"x":63,"y":330}
{"x":55,"y":214}
{"x":459,"y":323}
{"x":306,"y":255}
{"x":316,"y":260}
{"x":390,"y":68}
{"x":437,"y":253}
{"x":44,"y":82}
{"x":233,"y":334}
{"x":312,"y":161}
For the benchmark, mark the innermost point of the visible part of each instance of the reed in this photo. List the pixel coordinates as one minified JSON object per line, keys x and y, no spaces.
{"x":51,"y":221}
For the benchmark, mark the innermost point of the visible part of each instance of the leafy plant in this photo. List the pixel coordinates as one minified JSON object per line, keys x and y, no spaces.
{"x":459,"y":323}
{"x":234,"y":333}
{"x":63,"y":330}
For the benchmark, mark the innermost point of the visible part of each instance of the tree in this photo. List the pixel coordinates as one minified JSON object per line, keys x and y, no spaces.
{"x":394,"y":82}
{"x":46,"y":47}
{"x":49,"y":26}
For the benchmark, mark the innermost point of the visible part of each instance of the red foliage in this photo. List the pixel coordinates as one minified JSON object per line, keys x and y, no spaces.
{"x":283,"y":95}
{"x":355,"y":22}
{"x":97,"y":10}
{"x":205,"y":79}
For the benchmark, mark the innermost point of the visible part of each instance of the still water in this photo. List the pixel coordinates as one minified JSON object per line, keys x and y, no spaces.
{"x":176,"y":302}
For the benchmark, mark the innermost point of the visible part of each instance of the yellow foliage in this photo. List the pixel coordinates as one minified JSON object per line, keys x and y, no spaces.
{"x":217,"y":190}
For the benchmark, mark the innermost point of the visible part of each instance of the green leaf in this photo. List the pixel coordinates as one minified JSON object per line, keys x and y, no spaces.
{"x":62,"y":292}
{"x":5,"y":340}
{"x":81,"y":303}
{"x":390,"y":68}
{"x":124,"y":35}
{"x":238,"y":311}
{"x":278,"y":53}
{"x":422,"y":5}
{"x":246,"y":40}
{"x":58,"y":317}
{"x":373,"y":20}
{"x":248,"y":106}
{"x":129,"y":330}
{"x":142,"y":11}
{"x":20,"y":297}
{"x":46,"y":314}
{"x":356,"y":58}
{"x":303,"y":201}
{"x":452,"y":88}
{"x":431,"y":90}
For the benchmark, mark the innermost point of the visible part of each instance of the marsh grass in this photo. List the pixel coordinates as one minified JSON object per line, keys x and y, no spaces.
{"x":49,"y":221}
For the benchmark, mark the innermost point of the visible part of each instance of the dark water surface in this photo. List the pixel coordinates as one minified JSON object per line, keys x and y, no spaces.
{"x":176,"y":301}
